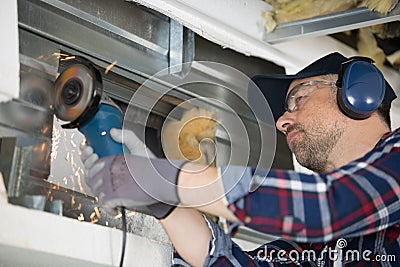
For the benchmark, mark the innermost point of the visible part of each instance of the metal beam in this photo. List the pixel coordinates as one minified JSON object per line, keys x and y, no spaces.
{"x":331,"y":23}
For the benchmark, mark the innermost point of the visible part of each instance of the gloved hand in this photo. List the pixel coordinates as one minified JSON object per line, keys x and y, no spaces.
{"x":131,"y":181}
{"x":132,"y":142}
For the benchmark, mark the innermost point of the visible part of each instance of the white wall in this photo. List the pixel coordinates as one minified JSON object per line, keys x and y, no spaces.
{"x":9,"y":72}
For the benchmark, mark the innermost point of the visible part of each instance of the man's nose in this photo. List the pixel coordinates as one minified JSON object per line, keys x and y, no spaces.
{"x":284,"y":121}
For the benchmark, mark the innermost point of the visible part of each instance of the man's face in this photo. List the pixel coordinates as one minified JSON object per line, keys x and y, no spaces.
{"x":313,"y":123}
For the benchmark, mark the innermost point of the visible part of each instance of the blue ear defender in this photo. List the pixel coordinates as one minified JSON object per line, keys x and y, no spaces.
{"x":361,"y":88}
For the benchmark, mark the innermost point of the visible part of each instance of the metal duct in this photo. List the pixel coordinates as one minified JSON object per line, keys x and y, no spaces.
{"x":141,"y":43}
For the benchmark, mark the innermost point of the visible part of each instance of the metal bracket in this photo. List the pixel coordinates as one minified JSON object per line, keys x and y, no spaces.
{"x":181,"y":48}
{"x":329,"y":24}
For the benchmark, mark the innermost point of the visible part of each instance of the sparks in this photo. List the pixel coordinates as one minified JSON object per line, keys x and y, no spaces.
{"x":96,"y":209}
{"x":68,"y":156}
{"x":67,"y":58}
{"x":55,"y":141}
{"x":130,"y":213}
{"x":94,"y":221}
{"x":58,"y":55}
{"x":73,"y":182}
{"x":78,"y":175}
{"x":73,"y":143}
{"x":110,"y":66}
{"x":81,"y":217}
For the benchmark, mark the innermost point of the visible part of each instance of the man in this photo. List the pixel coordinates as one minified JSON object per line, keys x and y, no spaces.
{"x":348,"y":212}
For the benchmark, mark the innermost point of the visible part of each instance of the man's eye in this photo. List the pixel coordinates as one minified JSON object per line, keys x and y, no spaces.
{"x":298,"y":99}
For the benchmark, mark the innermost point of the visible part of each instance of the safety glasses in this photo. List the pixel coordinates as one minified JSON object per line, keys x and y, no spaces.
{"x":303,"y":90}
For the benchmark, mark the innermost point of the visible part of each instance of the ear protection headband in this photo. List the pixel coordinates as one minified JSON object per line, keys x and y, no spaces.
{"x":361,"y":87}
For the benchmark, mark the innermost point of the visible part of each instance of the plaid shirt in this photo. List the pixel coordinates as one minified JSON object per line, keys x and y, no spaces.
{"x":349,"y":216}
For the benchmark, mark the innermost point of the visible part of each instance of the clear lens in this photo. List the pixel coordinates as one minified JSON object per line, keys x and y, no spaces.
{"x":302,"y":91}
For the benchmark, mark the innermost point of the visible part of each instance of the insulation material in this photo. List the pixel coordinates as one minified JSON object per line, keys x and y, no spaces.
{"x":387,"y":30}
{"x":367,"y":46}
{"x":191,"y":138}
{"x":287,"y":10}
{"x":284,"y":11}
{"x":394,"y":59}
{"x":384,"y":51}
{"x":381,"y":6}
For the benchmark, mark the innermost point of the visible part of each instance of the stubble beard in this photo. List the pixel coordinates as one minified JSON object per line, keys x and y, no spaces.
{"x":313,"y":146}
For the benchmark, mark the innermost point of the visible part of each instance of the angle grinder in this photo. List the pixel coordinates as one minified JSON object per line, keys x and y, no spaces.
{"x":80,"y":101}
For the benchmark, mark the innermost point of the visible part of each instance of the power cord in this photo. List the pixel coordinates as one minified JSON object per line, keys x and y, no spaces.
{"x":123,"y":237}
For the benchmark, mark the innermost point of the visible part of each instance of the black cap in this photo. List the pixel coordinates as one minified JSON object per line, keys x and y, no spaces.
{"x":274,"y":87}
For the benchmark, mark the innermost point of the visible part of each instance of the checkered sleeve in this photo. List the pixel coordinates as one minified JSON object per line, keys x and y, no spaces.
{"x":359,"y":198}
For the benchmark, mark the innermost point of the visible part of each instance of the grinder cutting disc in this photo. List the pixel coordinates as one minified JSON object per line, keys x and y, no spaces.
{"x":78,"y":92}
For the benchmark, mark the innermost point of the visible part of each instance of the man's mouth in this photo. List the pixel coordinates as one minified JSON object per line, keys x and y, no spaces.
{"x":290,"y":135}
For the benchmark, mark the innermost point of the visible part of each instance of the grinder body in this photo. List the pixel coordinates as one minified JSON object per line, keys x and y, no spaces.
{"x":97,"y":131}
{"x":79,"y":100}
